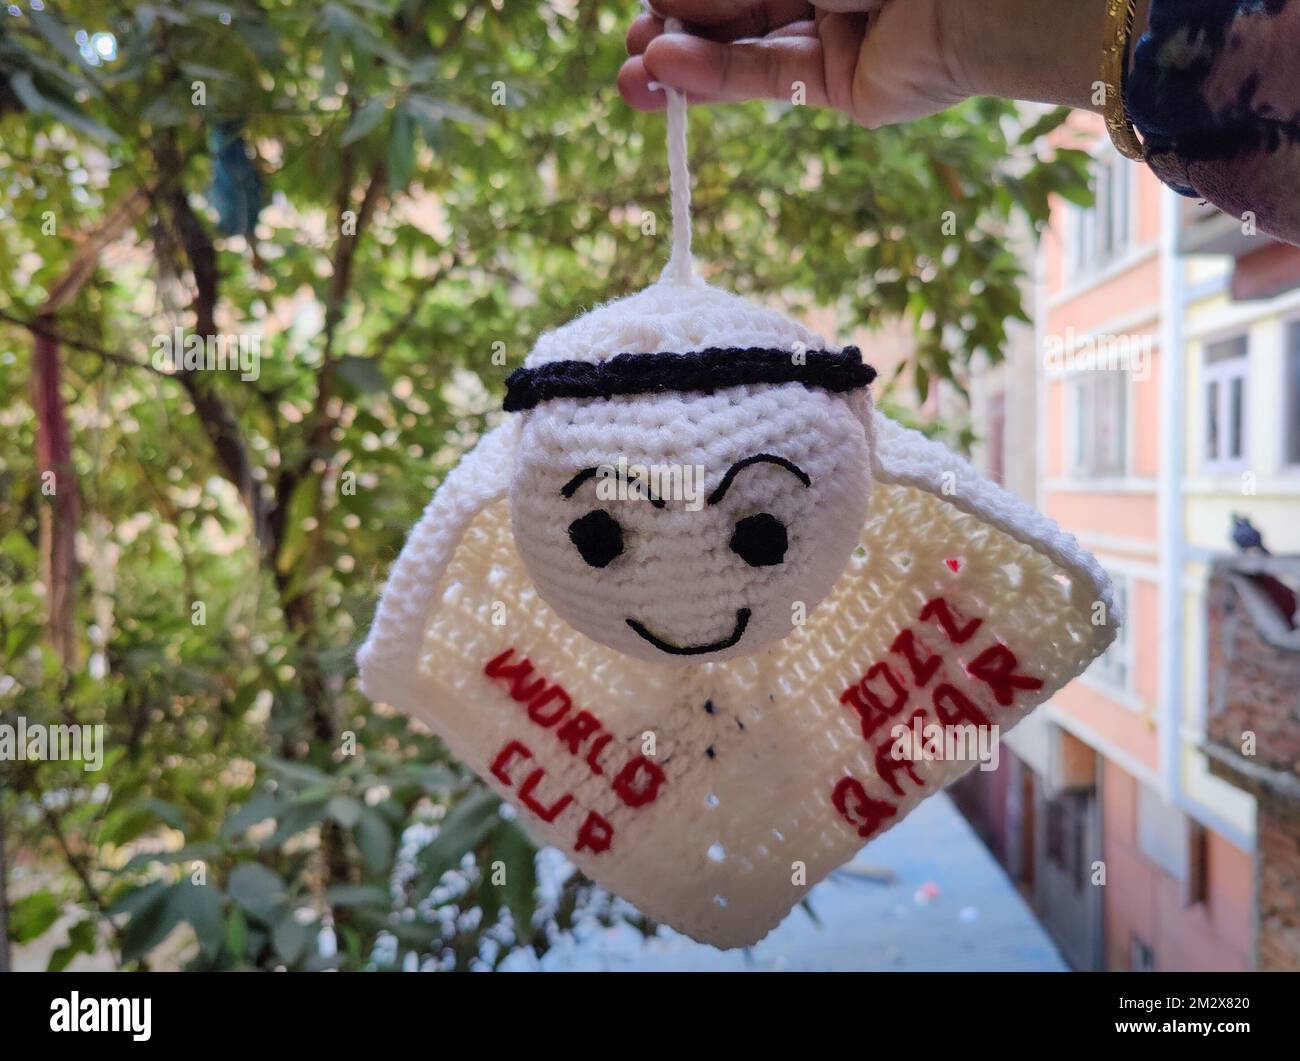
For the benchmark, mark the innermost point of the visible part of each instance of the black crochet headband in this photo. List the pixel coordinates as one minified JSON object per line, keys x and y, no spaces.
{"x":702,"y":372}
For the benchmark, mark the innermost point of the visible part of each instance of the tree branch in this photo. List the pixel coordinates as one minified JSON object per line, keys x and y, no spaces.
{"x":42,"y":326}
{"x":399,"y":327}
{"x":83,"y":875}
{"x":321,"y":422}
{"x":218,"y":419}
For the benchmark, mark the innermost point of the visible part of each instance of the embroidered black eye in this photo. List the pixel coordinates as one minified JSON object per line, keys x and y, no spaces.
{"x":760,"y":540}
{"x":598,"y":537}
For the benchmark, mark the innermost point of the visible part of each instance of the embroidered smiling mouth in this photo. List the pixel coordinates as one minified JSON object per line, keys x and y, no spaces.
{"x":742,"y":621}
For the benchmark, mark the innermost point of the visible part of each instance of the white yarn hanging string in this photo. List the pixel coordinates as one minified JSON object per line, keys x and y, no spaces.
{"x":679,"y":268}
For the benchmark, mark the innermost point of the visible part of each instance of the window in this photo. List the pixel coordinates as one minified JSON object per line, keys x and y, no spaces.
{"x":1112,"y":666}
{"x":1291,"y":394}
{"x":1100,"y":446}
{"x":1102,"y":232}
{"x":1065,"y":825}
{"x":1225,"y":403}
{"x":1141,"y":958}
{"x":1172,"y":842}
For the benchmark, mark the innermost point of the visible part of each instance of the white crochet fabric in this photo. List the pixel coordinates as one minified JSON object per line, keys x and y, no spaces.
{"x":677,"y":575}
{"x":668,"y":316}
{"x":712,"y":791}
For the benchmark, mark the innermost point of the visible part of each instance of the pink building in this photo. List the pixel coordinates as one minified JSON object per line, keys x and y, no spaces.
{"x":1167,"y":361}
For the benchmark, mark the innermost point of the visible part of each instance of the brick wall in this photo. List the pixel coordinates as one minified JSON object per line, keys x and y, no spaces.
{"x":1254,"y":688}
{"x":1278,"y":877}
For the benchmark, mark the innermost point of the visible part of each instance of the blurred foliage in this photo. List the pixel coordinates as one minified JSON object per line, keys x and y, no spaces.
{"x":437,"y":182}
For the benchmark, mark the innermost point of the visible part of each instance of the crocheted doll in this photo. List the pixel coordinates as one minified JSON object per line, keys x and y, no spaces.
{"x":683,"y":607}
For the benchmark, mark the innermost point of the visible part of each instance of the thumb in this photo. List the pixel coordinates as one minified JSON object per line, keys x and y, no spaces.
{"x":773,"y":68}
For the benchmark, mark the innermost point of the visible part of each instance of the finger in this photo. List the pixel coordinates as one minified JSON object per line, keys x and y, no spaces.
{"x":634,"y":83}
{"x":646,"y":28}
{"x":807,"y":28}
{"x":766,"y":69}
{"x":842,"y":37}
{"x":643,"y":30}
{"x":729,"y":20}
{"x":850,"y":7}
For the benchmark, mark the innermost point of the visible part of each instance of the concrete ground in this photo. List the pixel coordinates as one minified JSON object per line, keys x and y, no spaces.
{"x":925,"y":896}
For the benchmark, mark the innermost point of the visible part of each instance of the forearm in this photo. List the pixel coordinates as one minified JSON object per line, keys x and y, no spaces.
{"x":1044,"y":51}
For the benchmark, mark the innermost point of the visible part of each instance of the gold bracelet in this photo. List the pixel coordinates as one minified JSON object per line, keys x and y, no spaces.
{"x":1120,"y":16}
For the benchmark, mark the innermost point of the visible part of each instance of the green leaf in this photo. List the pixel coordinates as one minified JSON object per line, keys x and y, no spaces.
{"x":32,"y":915}
{"x":260,"y":37}
{"x":339,"y":22}
{"x":52,"y":30}
{"x":430,"y":112}
{"x":25,"y":89}
{"x":362,"y":373}
{"x":150,"y":925}
{"x":168,"y":813}
{"x":200,"y":852}
{"x":259,"y":891}
{"x":461,"y":830}
{"x":435,"y":780}
{"x":358,"y":895}
{"x":511,"y":846}
{"x":401,"y":150}
{"x":135,"y":899}
{"x":256,"y":810}
{"x":236,"y":932}
{"x":290,"y":937}
{"x":1048,"y":123}
{"x":297,"y":818}
{"x":299,"y":773}
{"x":200,"y":905}
{"x":921,"y":378}
{"x":375,"y":840}
{"x":302,"y":506}
{"x":364,"y":121}
{"x":345,"y":810}
{"x":81,"y":940}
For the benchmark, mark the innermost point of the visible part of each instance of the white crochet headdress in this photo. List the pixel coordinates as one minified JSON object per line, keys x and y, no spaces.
{"x":676,"y":606}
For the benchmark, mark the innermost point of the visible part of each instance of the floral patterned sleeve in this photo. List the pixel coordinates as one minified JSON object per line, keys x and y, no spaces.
{"x":1215,"y":92}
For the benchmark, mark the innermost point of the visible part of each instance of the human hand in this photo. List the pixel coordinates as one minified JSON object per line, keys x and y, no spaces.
{"x":879,"y":61}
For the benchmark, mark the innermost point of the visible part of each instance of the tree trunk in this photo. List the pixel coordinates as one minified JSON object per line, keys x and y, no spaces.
{"x":62,"y":512}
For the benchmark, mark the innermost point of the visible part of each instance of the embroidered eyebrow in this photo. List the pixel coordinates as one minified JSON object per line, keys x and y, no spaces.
{"x":757,"y":458}
{"x":573,"y":485}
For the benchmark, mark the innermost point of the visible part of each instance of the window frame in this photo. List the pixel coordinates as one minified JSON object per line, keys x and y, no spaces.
{"x":1221,"y":375}
{"x":1289,"y":415}
{"x":1078,"y":421}
{"x":1100,"y":675}
{"x":1084,"y":259}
